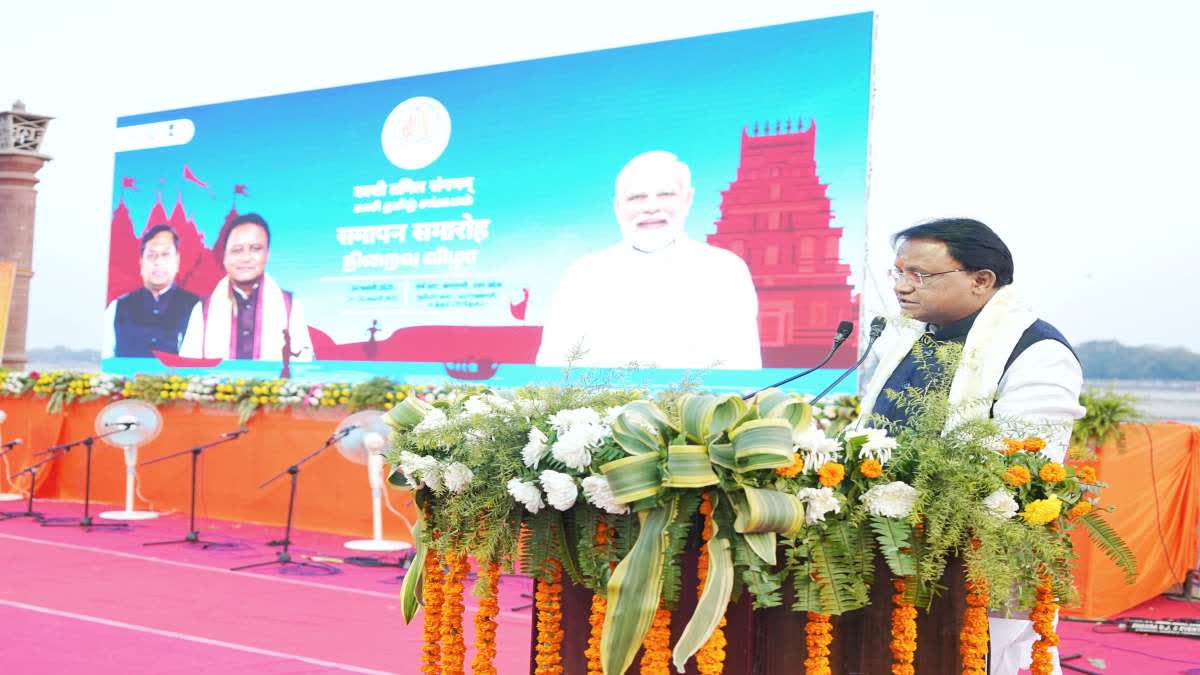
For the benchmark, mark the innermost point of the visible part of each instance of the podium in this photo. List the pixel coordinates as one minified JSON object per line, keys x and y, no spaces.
{"x":771,"y":641}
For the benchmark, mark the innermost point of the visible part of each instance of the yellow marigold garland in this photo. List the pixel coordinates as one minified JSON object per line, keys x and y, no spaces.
{"x":973,"y":640}
{"x":548,"y":602}
{"x":710,"y":660}
{"x":656,"y":647}
{"x":595,"y":665}
{"x":485,"y":623}
{"x":431,"y":650}
{"x":904,"y":630}
{"x":818,"y":635}
{"x":454,"y":648}
{"x":1042,"y":616}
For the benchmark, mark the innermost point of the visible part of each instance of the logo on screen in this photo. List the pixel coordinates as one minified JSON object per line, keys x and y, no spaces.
{"x":416,"y":133}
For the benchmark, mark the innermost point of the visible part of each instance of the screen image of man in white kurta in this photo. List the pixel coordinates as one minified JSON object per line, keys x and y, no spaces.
{"x":624,"y":304}
{"x":953,"y":279}
{"x":247,"y":316}
{"x":155,"y":316}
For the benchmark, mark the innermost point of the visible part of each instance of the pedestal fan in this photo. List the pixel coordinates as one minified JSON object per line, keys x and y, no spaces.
{"x":142,"y":423}
{"x":364,"y":444}
{"x":4,"y":449}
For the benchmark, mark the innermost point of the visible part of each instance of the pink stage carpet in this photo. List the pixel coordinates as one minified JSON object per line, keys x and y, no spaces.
{"x":73,"y":601}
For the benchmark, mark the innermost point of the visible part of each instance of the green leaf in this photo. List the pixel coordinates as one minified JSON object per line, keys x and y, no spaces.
{"x":1111,"y":543}
{"x":410,"y":588}
{"x":714,"y":600}
{"x":894,"y":537}
{"x":634,"y":591}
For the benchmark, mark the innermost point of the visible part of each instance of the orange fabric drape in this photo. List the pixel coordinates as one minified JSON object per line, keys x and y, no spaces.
{"x":333,"y":494}
{"x":1160,"y":460}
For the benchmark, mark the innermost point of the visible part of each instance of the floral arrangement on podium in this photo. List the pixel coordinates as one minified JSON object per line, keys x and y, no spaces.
{"x":604,"y":487}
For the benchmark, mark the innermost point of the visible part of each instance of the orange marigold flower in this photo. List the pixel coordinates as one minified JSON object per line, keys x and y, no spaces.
{"x":1081,"y":509}
{"x":831,"y":473}
{"x":1012,"y":446}
{"x":1053,"y":472}
{"x":1016,"y":476}
{"x":792,"y":470}
{"x":1086,"y":474}
{"x":1034,"y":444}
{"x":870,"y":468}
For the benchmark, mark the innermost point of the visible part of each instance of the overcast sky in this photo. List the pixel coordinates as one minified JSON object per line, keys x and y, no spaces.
{"x":1070,"y":127}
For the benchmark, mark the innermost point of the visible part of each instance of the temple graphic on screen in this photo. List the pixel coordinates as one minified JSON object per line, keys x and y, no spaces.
{"x":776,"y":216}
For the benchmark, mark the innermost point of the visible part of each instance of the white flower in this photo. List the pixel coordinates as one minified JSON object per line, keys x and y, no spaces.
{"x":421,"y":470}
{"x":563,"y":420}
{"x":572,"y":447}
{"x":1001,"y":504}
{"x":878,"y":445}
{"x":457,"y":476}
{"x":817,"y":503}
{"x":894,"y":500}
{"x":527,"y":494}
{"x":535,"y":449}
{"x":560,"y":488}
{"x":600,"y":494}
{"x":477,"y":405}
{"x":818,"y":449}
{"x":433,"y":420}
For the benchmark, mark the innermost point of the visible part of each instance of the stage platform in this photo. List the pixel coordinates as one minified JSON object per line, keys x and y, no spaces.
{"x":100,"y":602}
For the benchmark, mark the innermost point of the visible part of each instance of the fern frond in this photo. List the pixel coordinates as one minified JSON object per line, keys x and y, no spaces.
{"x":895,"y":542}
{"x":1111,"y":543}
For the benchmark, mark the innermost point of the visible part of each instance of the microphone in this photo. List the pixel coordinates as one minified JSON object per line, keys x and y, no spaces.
{"x":234,"y":434}
{"x":844,"y":330}
{"x":11,"y":444}
{"x":877,"y":326}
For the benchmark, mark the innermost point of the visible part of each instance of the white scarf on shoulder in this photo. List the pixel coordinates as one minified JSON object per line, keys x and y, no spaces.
{"x":989,"y":344}
{"x":220,"y":321}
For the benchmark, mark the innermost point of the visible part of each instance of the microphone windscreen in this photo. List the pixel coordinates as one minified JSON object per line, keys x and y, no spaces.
{"x":877,"y":326}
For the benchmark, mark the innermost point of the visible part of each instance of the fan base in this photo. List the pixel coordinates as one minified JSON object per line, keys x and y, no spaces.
{"x":10,"y":497}
{"x":129,"y":515}
{"x":377,"y":545}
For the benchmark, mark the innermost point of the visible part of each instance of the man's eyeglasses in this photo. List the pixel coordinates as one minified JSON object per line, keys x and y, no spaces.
{"x":917,"y":279}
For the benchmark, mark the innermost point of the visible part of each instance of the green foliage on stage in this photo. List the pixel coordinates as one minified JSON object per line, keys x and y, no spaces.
{"x":1106,"y":412}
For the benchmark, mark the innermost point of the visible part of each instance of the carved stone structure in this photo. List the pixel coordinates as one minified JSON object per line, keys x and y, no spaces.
{"x":21,"y":135}
{"x":776,"y":216}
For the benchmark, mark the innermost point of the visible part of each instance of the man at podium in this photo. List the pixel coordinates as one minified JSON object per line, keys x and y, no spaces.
{"x":952,"y":278}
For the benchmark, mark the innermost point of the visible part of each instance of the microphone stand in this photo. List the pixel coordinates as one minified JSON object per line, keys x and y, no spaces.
{"x":193,"y":536}
{"x":32,"y":470}
{"x":86,"y":521}
{"x":284,"y":557}
{"x":837,"y":344}
{"x":876,"y":331}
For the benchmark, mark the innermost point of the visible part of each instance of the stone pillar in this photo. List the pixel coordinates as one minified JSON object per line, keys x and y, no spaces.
{"x":21,"y":135}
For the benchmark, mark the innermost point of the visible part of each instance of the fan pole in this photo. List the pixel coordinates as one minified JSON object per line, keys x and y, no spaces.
{"x":375,"y":471}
